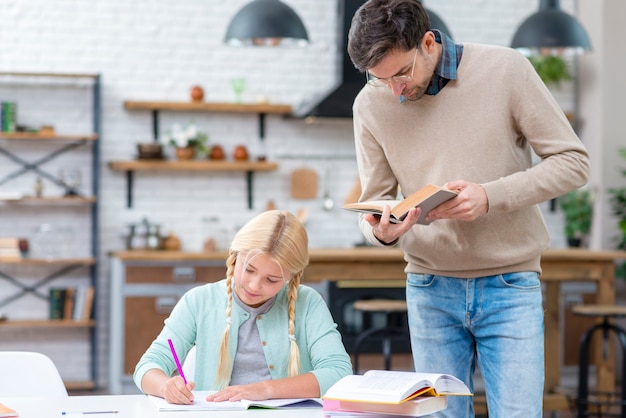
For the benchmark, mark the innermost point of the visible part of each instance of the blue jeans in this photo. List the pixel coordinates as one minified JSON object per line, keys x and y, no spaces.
{"x":495,"y":323}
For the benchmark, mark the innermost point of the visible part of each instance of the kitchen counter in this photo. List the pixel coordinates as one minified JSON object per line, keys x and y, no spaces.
{"x":369,"y":267}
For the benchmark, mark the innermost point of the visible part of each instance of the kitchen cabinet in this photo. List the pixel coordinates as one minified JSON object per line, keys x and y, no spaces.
{"x":145,"y":286}
{"x":249,"y":168}
{"x":18,"y":288}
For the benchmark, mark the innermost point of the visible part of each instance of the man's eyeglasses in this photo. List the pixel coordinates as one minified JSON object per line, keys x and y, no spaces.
{"x":398,"y":79}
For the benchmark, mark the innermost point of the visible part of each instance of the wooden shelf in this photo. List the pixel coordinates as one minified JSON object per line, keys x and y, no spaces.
{"x":51,"y":75}
{"x":47,"y":323}
{"x":248,"y":167}
{"x":34,"y":136}
{"x":52,"y":200}
{"x":267,"y":108}
{"x":192,"y":165}
{"x":53,"y":262}
{"x":79,"y":385}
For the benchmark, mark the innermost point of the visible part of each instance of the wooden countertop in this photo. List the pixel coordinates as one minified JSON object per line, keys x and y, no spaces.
{"x":357,"y":254}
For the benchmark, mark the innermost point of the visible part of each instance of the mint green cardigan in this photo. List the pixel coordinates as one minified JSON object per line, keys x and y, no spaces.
{"x":200,"y":317}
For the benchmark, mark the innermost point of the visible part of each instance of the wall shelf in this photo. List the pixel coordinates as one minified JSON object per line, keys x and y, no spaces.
{"x":50,"y":200}
{"x":34,"y":136}
{"x":262,"y":109}
{"x":57,"y":144}
{"x":248,"y":167}
{"x":47,"y":323}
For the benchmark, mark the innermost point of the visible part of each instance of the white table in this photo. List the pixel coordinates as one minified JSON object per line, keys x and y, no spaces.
{"x":130,"y":406}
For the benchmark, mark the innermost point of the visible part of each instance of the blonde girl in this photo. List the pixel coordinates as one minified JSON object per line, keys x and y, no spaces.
{"x":259,"y":334}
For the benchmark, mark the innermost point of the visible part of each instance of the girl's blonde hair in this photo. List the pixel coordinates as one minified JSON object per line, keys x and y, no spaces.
{"x":281,"y":236}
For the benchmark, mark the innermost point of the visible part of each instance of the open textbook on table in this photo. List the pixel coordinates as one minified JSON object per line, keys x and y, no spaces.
{"x":385,"y":386}
{"x":201,"y":404}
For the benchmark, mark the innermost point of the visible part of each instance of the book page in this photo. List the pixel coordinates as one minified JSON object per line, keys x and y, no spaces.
{"x":201,"y":404}
{"x":374,"y":387}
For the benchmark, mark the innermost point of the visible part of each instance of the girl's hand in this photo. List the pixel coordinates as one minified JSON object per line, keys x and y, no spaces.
{"x":254,"y":391}
{"x":175,"y":391}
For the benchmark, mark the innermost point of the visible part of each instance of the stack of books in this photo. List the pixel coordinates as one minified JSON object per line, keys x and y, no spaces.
{"x":10,"y":249}
{"x":71,"y":303}
{"x":392,"y":393}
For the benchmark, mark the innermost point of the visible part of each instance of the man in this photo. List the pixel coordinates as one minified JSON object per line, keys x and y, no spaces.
{"x":465,"y":116}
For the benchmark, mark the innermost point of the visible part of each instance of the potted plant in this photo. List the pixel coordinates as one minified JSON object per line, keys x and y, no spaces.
{"x":577,"y":207}
{"x":617,"y":201}
{"x":188,"y":140}
{"x":552,"y":69}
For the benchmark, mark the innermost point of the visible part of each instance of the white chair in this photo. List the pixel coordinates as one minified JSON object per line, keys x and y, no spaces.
{"x":189,"y":365}
{"x":26,"y":373}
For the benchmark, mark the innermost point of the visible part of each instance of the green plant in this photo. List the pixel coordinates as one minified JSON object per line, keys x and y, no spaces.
{"x":189,"y":136}
{"x":552,"y":69}
{"x":617,"y":200}
{"x":577,"y":207}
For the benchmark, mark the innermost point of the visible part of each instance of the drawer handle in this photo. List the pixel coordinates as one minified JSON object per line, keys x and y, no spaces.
{"x":184,"y":274}
{"x":164,"y":305}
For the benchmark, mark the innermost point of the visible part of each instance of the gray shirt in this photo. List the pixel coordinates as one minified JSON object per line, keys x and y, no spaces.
{"x":250,"y":365}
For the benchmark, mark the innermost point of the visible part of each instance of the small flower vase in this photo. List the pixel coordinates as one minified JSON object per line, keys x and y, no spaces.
{"x":185,"y":153}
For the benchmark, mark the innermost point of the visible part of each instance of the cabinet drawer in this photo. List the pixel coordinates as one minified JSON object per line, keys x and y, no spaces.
{"x":178,"y":274}
{"x":143,"y":322}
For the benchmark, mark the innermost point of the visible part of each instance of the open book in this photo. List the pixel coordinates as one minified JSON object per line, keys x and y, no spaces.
{"x":394,"y":387}
{"x":419,"y":406}
{"x":201,"y":404}
{"x":5,"y":411}
{"x":427,"y":198}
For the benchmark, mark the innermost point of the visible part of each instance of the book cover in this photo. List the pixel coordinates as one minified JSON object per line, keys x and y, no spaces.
{"x":57,"y":302}
{"x":427,"y":198}
{"x":87,"y":312}
{"x":394,"y":387}
{"x":201,"y":404}
{"x":68,"y":303}
{"x":5,"y":411}
{"x":417,"y":407}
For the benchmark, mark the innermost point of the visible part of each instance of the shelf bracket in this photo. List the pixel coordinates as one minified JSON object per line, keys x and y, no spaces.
{"x":262,"y":126}
{"x":129,"y":189}
{"x":249,"y":177}
{"x":155,"y":125}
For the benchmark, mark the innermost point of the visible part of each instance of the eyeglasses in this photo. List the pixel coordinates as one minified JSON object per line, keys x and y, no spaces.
{"x":398,"y":79}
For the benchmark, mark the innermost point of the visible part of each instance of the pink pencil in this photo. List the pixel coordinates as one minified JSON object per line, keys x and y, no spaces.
{"x":180,"y":368}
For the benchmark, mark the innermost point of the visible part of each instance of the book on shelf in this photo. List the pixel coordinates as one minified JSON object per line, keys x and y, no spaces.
{"x":420,"y":406}
{"x":10,"y":249}
{"x":201,"y":404}
{"x":68,"y":302}
{"x":57,"y":302}
{"x":8,"y":116}
{"x":71,"y":303}
{"x":427,"y":198}
{"x":394,"y":387}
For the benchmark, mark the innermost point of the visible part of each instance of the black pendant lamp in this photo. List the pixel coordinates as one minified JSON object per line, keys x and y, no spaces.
{"x":551,"y":30}
{"x":266,"y":23}
{"x":437,"y":23}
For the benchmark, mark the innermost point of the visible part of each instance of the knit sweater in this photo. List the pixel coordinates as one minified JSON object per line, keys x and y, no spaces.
{"x":200,"y":318}
{"x":482,"y":127}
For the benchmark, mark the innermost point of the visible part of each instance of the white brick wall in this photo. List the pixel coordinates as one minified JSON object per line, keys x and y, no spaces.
{"x":157,"y":49}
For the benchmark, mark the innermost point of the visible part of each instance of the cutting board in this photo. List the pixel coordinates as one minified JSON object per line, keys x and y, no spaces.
{"x":304,"y":183}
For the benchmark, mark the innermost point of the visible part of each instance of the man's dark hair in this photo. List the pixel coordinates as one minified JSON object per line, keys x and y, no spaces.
{"x":379,"y":26}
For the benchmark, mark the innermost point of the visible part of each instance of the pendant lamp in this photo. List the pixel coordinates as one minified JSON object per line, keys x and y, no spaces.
{"x":437,"y":23}
{"x":550,"y":31}
{"x":266,"y":23}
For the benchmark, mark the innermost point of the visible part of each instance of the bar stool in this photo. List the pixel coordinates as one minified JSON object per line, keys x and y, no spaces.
{"x":583,"y":396}
{"x":394,"y":310}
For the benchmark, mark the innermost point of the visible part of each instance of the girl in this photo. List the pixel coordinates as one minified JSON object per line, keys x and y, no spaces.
{"x":279,"y":339}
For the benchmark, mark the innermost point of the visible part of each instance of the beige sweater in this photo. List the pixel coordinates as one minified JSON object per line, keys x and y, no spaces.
{"x":479,"y":128}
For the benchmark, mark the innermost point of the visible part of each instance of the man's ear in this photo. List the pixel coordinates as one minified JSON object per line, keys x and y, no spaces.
{"x":428,"y":42}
